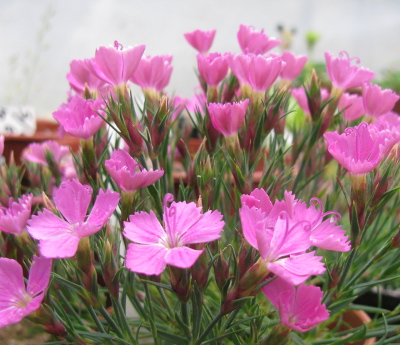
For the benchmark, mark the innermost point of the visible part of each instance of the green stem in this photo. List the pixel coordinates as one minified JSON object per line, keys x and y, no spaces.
{"x":209,"y":328}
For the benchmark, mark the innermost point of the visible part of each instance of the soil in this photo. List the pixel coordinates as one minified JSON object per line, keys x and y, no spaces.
{"x":23,"y":333}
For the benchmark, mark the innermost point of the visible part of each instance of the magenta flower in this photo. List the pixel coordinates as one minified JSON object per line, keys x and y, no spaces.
{"x":80,"y":77}
{"x":389,"y":122}
{"x":1,"y":144}
{"x":324,"y":233}
{"x":252,"y":41}
{"x":359,"y":149}
{"x":79,"y":117}
{"x":16,"y":300}
{"x":282,"y":244}
{"x":201,"y":40}
{"x":344,"y":75}
{"x":156,"y":246}
{"x":352,"y":106}
{"x":14,"y":218}
{"x":299,"y":94}
{"x":227,"y":118}
{"x":299,"y":308}
{"x":240,"y":65}
{"x":128,"y":174}
{"x":115,"y":65}
{"x":36,"y":153}
{"x":263,"y":71}
{"x":213,"y":68}
{"x":59,"y":236}
{"x":293,"y":65}
{"x":153,"y":72}
{"x":377,"y":101}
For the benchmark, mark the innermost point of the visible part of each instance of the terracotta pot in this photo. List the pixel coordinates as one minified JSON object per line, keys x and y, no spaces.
{"x":353,"y":319}
{"x":46,"y":130}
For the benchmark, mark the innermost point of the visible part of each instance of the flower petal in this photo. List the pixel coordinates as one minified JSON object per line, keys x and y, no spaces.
{"x":182,"y":257}
{"x":144,"y":228}
{"x":39,"y":275}
{"x":146,"y":259}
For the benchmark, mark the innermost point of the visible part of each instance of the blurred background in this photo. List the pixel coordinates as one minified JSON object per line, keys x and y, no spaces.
{"x":39,"y":38}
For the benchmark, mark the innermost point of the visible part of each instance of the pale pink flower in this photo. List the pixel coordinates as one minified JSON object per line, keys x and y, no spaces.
{"x":14,"y":218}
{"x":352,"y":106}
{"x":293,"y":65}
{"x":128,"y":174}
{"x":344,"y":75}
{"x":79,"y":117}
{"x":80,"y":77}
{"x":213,"y":68}
{"x":36,"y":153}
{"x":16,"y":300}
{"x":115,"y":65}
{"x":156,"y":246}
{"x":377,"y":101}
{"x":324,"y":233}
{"x":360,"y":149}
{"x":252,"y":41}
{"x":153,"y":72}
{"x":59,"y":236}
{"x":300,"y":308}
{"x":282,"y":244}
{"x":227,"y":118}
{"x":299,"y":94}
{"x":200,"y":40}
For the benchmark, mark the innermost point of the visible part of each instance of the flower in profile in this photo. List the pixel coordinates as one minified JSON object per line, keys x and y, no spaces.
{"x":155,"y":246}
{"x":79,"y":117}
{"x":299,"y":94}
{"x":227,"y":118}
{"x":18,"y":301}
{"x":300,"y":308}
{"x":360,"y":149}
{"x":38,"y":153}
{"x":116,"y":65}
{"x":377,"y":101}
{"x":200,"y":40}
{"x":252,"y":41}
{"x":14,"y":218}
{"x":293,"y":65}
{"x":80,"y":77}
{"x":352,"y":106}
{"x":324,"y":233}
{"x":213,"y":68}
{"x":59,"y":236}
{"x":344,"y":75}
{"x":153,"y":72}
{"x":128,"y":174}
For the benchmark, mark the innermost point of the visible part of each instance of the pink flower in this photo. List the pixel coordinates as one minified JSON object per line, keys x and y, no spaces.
{"x":200,"y":40}
{"x":293,"y":65}
{"x":156,"y":246}
{"x":324,"y":233}
{"x":79,"y":117}
{"x":59,"y":236}
{"x":359,"y":149}
{"x":255,"y":42}
{"x":14,"y":218}
{"x":80,"y":77}
{"x":282,"y":244}
{"x":343,"y":75}
{"x":377,"y":101}
{"x":115,"y":65}
{"x":128,"y":174}
{"x":36,"y":153}
{"x":300,"y":96}
{"x":352,"y":106}
{"x":153,"y":72}
{"x":213,"y":68}
{"x":227,"y":118}
{"x":299,"y":308}
{"x":390,"y":122}
{"x":1,"y":144}
{"x":240,"y":65}
{"x":16,"y":300}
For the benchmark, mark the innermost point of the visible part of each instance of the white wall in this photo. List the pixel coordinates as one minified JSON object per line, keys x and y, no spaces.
{"x":369,"y":29}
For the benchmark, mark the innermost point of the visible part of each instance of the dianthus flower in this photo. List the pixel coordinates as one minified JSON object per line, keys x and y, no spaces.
{"x":14,"y":218}
{"x":200,"y":40}
{"x":156,"y":246}
{"x":293,"y":65}
{"x":16,"y":300}
{"x":352,"y":106}
{"x":59,"y":236}
{"x":300,"y":308}
{"x":377,"y":101}
{"x":37,"y":152}
{"x":252,"y":41}
{"x":213,"y":68}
